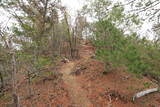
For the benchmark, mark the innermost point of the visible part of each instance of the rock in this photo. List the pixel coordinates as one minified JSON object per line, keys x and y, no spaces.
{"x":93,"y":56}
{"x":79,"y":70}
{"x":65,"y":60}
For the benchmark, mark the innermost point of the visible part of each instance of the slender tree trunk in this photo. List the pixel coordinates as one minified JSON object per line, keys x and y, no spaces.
{"x":14,"y":86}
{"x":1,"y":77}
{"x":2,"y":84}
{"x":29,"y":84}
{"x":69,"y":35}
{"x":2,"y":80}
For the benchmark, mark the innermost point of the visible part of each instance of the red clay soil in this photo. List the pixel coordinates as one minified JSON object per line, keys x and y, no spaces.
{"x":116,"y":88}
{"x":82,"y":83}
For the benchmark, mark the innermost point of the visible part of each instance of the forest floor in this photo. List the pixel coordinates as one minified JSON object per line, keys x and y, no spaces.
{"x":82,"y":83}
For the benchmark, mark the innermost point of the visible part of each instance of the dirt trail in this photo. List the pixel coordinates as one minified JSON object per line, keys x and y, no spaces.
{"x":76,"y":93}
{"x":78,"y":96}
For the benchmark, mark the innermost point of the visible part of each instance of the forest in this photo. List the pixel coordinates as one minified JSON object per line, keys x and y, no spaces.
{"x":100,"y":57}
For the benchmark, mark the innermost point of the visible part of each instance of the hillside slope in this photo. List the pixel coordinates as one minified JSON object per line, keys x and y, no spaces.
{"x":82,"y":83}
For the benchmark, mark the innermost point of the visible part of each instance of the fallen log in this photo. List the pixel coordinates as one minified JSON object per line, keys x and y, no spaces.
{"x":143,"y":93}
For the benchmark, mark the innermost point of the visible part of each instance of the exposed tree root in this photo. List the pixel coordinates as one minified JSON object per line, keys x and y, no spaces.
{"x":143,"y":93}
{"x":110,"y":101}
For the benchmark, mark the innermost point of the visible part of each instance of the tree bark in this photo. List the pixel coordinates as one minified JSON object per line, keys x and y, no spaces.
{"x":14,"y":86}
{"x":69,"y":34}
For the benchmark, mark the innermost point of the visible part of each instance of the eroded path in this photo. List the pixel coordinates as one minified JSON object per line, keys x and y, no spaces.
{"x":78,"y":96}
{"x":76,"y":93}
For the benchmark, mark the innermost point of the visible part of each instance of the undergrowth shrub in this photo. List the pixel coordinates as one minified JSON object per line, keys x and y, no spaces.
{"x":38,"y":62}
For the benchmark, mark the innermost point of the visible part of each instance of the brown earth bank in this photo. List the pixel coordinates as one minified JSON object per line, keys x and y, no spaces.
{"x":83,"y":83}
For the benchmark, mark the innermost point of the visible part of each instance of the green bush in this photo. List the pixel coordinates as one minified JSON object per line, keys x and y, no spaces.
{"x":42,"y":61}
{"x":38,"y":62}
{"x":139,"y":55}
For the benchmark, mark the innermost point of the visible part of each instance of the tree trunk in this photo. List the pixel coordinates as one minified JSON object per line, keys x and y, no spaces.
{"x":1,"y":77}
{"x":29,"y":84}
{"x":14,"y":86}
{"x":69,"y":35}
